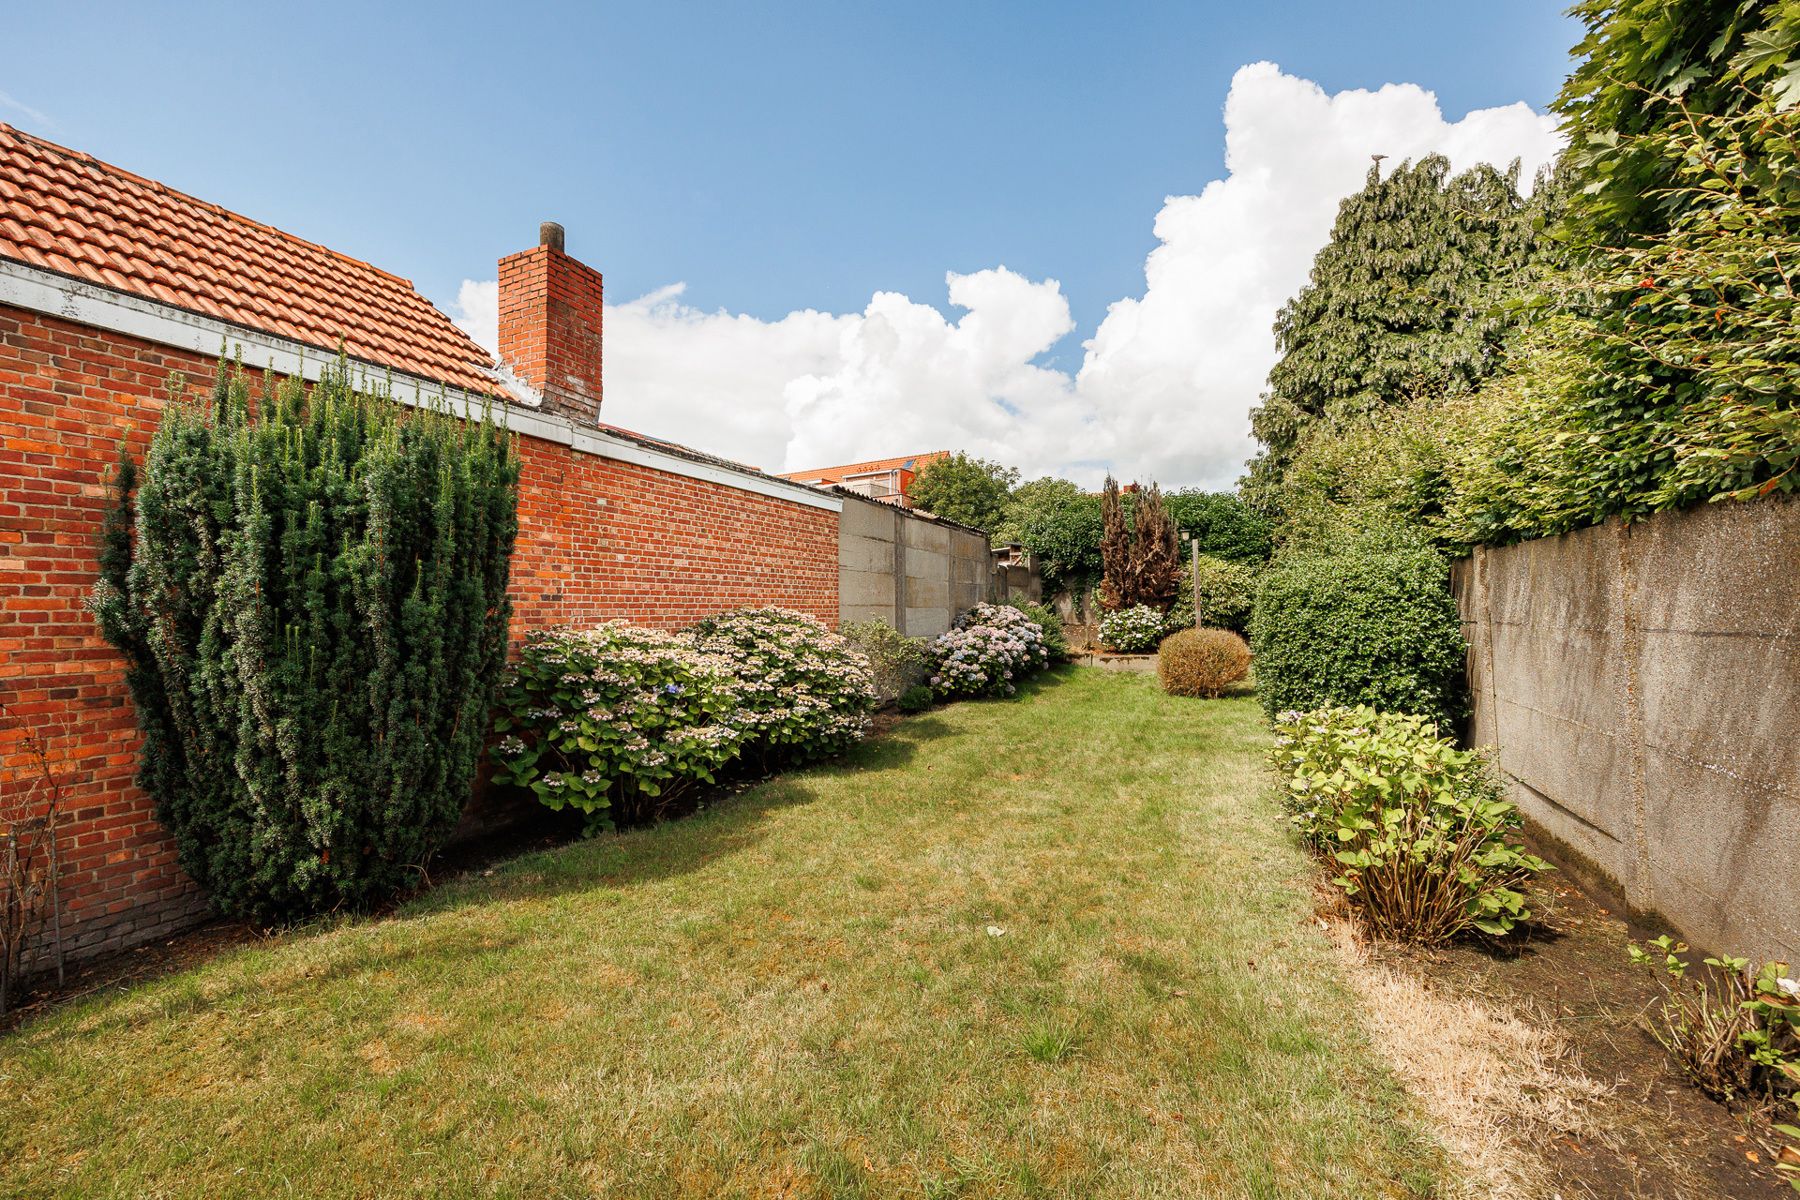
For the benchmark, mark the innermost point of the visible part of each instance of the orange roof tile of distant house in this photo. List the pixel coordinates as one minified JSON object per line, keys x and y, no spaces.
{"x":909,"y":462}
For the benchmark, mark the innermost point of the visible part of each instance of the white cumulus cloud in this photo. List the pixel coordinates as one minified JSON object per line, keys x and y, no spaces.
{"x":1168,"y":379}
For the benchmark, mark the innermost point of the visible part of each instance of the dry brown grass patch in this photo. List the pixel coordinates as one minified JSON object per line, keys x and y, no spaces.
{"x":1494,"y":1083}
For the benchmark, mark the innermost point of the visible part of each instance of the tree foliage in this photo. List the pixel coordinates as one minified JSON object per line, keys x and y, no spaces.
{"x":961,"y":488}
{"x":1713,"y":56}
{"x":1061,"y":525}
{"x":1404,"y":299}
{"x":1653,"y":362}
{"x":311,"y":601}
{"x":1664,"y":375}
{"x":1221,"y":524}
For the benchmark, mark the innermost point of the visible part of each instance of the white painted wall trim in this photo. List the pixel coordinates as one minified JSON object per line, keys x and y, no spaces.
{"x":27,"y":287}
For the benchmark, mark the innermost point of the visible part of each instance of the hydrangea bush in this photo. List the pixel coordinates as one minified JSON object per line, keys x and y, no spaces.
{"x":804,"y":691}
{"x":1056,"y":642}
{"x":1131,"y":630}
{"x":991,"y":649}
{"x":1423,"y":842}
{"x":617,"y":721}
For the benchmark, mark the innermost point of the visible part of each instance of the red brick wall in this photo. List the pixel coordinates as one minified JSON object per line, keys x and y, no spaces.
{"x":598,"y":538}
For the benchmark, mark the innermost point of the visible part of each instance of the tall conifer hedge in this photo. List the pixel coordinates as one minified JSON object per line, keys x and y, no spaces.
{"x":310,"y":593}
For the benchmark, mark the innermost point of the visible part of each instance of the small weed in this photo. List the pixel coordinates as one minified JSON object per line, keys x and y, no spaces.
{"x":839,"y":1175}
{"x":1052,"y":1041}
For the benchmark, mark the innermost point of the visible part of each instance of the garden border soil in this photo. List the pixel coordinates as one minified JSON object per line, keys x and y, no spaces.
{"x":1570,"y":972}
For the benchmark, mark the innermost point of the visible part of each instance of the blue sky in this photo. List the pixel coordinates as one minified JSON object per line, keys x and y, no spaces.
{"x":771,"y":157}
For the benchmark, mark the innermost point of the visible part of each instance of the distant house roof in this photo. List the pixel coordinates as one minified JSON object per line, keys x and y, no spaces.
{"x":910,"y":462}
{"x":67,"y":212}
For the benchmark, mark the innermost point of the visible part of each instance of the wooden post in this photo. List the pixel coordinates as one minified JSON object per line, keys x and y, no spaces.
{"x":1194,"y":578}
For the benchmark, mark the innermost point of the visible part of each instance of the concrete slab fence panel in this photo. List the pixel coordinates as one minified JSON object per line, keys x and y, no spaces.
{"x":1642,"y":685}
{"x":914,"y":572}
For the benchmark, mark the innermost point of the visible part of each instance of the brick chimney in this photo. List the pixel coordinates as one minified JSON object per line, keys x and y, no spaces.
{"x":550,"y":314}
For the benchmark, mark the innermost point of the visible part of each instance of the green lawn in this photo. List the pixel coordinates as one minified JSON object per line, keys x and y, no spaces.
{"x":1056,"y":946}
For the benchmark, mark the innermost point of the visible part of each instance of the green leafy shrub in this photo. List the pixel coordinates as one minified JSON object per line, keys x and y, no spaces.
{"x":1056,"y":645}
{"x":311,"y":603}
{"x":1224,"y":592}
{"x":1181,"y":613}
{"x":1061,"y":525}
{"x":916,"y":698}
{"x":1369,"y":620}
{"x":1735,"y":1030}
{"x":989,"y":652}
{"x":1201,"y":662}
{"x":806,"y":691}
{"x":1423,"y":844}
{"x":1222,"y":525}
{"x":896,"y":662}
{"x":1131,"y":630}
{"x":617,"y":721}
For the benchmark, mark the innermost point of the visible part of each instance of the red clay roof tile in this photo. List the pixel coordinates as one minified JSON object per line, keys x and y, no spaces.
{"x":65,"y":211}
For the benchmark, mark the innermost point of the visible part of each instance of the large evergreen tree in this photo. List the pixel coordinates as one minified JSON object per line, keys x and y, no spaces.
{"x":1404,"y":299}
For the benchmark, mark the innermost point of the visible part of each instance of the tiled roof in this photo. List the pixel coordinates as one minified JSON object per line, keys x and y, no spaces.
{"x":681,"y":451}
{"x":64,"y":211}
{"x":909,"y":462}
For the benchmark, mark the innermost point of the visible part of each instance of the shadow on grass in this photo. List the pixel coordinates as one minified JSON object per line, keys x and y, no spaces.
{"x":284,"y":984}
{"x":728,"y":824}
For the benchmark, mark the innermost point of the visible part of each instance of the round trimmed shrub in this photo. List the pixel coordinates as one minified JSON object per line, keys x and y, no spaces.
{"x":916,"y":699}
{"x":1131,"y":630}
{"x":1201,"y":662}
{"x":1369,"y":620}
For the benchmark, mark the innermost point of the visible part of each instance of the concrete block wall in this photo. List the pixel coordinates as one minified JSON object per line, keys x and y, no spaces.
{"x":914,"y":572}
{"x":1642,"y":685}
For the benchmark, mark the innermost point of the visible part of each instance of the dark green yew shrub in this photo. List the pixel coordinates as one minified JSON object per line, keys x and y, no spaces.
{"x":311,"y":601}
{"x":917,"y":699}
{"x":1367,"y":620}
